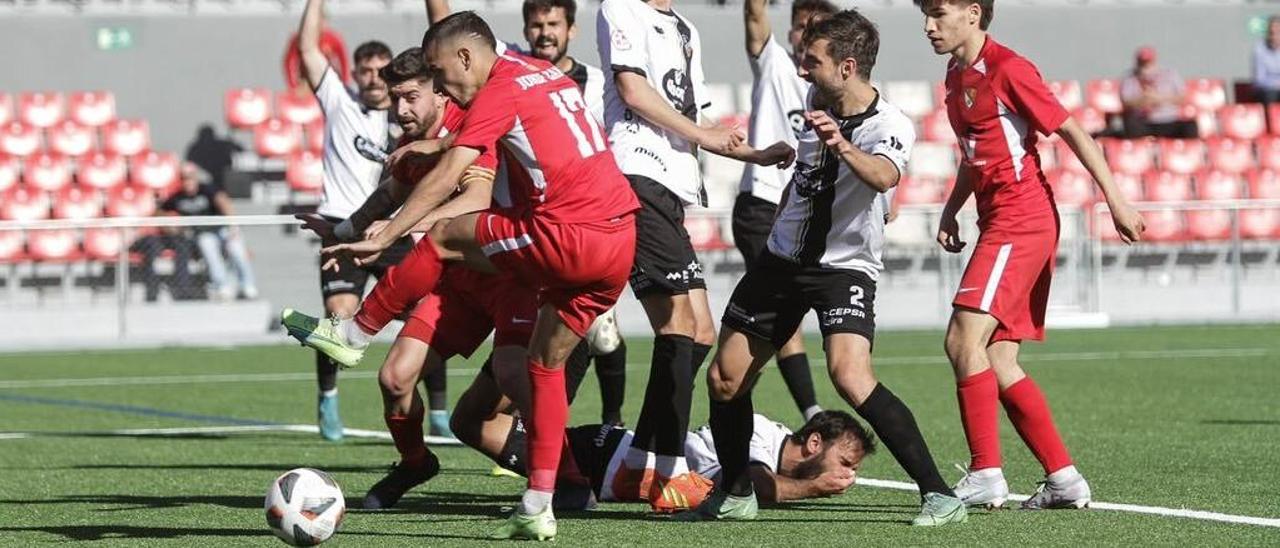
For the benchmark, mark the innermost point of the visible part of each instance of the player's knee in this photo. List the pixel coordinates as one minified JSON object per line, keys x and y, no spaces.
{"x":394,"y":383}
{"x":852,"y":378}
{"x":721,"y":384}
{"x":959,"y":344}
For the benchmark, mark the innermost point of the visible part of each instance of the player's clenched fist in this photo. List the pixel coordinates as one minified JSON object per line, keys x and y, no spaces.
{"x":721,"y":139}
{"x":949,"y":234}
{"x":834,"y":481}
{"x":1129,"y":223}
{"x":827,"y":129}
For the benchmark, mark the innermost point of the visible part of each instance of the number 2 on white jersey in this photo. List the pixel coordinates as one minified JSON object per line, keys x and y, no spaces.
{"x":569,"y":103}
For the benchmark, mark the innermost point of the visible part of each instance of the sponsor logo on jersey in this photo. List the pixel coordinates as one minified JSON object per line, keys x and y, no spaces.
{"x":798,"y":124}
{"x":808,"y":180}
{"x":369,"y":149}
{"x":619,"y":40}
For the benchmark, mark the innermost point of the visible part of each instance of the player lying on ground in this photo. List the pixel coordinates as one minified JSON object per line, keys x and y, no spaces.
{"x":997,"y":102}
{"x":821,"y":459}
{"x":824,"y":254}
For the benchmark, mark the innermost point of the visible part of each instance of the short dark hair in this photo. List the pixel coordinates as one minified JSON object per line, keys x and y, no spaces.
{"x":406,"y":66}
{"x":463,"y":23}
{"x":831,"y":425}
{"x":988,"y":8}
{"x":814,"y":7}
{"x":370,"y":50}
{"x":534,"y":7}
{"x":848,"y":35}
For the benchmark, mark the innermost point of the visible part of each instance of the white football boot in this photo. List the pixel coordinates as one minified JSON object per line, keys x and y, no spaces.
{"x":1065,"y":488}
{"x":986,"y":488}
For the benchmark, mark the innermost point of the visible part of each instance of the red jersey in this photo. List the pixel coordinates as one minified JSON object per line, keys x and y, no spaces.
{"x":411,"y":171}
{"x":566,"y":172}
{"x":996,"y":106}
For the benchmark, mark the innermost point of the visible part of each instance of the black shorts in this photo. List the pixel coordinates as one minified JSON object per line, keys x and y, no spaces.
{"x":665,"y":261}
{"x":771,"y":300}
{"x":593,"y":446}
{"x":752,"y":223}
{"x":350,"y":278}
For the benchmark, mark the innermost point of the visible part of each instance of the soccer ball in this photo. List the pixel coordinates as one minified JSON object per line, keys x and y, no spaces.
{"x":603,"y":336}
{"x":304,"y":507}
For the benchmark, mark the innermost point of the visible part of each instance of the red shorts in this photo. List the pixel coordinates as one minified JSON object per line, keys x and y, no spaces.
{"x":1009,"y":276}
{"x":578,"y":268}
{"x":468,"y":305}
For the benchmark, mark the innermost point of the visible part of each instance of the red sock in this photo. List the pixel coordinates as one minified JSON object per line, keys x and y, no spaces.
{"x":550,"y":414}
{"x":406,"y":432}
{"x":401,"y":287}
{"x":980,"y":414}
{"x":1030,"y":415}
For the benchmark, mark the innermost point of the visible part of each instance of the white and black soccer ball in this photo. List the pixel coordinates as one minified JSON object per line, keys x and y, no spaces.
{"x":603,"y":336}
{"x":304,"y":507}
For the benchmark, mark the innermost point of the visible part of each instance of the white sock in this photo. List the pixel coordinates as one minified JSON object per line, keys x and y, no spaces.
{"x":534,"y":502}
{"x":670,"y":466}
{"x":811,"y":411}
{"x":636,"y":458}
{"x":354,"y":334}
{"x":329,"y":393}
{"x":1065,"y":475}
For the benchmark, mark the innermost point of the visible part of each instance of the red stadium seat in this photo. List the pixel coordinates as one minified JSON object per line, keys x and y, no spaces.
{"x":1130,"y":186}
{"x":937,"y":128}
{"x":1262,"y":223}
{"x":1241,"y":121}
{"x":1164,"y":225}
{"x":276,"y":138}
{"x":1206,"y":94}
{"x":76,"y":202}
{"x":1093,"y":121}
{"x":913,"y":98}
{"x":246,"y":107}
{"x":1134,"y":156}
{"x":1230,"y":155}
{"x":101,"y":170}
{"x":71,"y":139}
{"x":920,"y":190}
{"x":11,"y":246}
{"x":1219,"y":185}
{"x":1071,"y":188}
{"x":156,"y":171}
{"x":126,"y":137}
{"x":53,"y":245}
{"x":1182,"y":156}
{"x":130,"y":201}
{"x":304,"y":172}
{"x":103,"y":244}
{"x":932,"y":160}
{"x":1104,"y":95}
{"x":6,"y":108}
{"x":1165,"y":186}
{"x":1068,"y":93}
{"x":314,"y":136}
{"x":91,"y":108}
{"x":1264,"y":185}
{"x":22,"y":203}
{"x":9,"y":172}
{"x":298,"y":109}
{"x":1273,"y":119}
{"x":46,"y":171}
{"x":1268,"y":152}
{"x":704,"y":233}
{"x":19,"y":139}
{"x":40,"y":109}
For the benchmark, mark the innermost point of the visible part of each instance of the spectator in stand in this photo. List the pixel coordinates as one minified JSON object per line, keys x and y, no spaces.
{"x":1266,"y":65}
{"x":197,"y":197}
{"x":1153,"y":98}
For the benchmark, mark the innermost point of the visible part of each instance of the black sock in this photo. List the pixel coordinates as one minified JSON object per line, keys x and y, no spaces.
{"x":795,"y":372}
{"x":575,"y":369}
{"x":897,"y":429}
{"x":512,"y":456}
{"x":437,"y":388}
{"x":664,"y":417}
{"x":326,"y":373}
{"x":700,"y":352}
{"x":611,"y":372}
{"x":731,"y":429}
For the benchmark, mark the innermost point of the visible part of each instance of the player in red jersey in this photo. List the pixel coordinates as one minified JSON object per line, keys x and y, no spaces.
{"x":572,"y":240}
{"x":997,"y":103}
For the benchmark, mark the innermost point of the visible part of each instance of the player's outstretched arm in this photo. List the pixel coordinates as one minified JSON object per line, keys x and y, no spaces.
{"x":773,"y":488}
{"x":642,"y":99}
{"x":314,"y":62}
{"x":756,"y":18}
{"x":476,"y":194}
{"x":1128,"y":221}
{"x":437,"y":10}
{"x":948,"y":227}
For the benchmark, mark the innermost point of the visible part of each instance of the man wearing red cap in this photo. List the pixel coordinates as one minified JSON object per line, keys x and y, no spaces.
{"x":1153,"y":100}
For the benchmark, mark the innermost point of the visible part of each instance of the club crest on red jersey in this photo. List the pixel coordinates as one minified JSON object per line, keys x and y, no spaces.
{"x":970,"y":94}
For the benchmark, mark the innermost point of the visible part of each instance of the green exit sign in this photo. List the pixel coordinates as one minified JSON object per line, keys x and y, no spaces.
{"x":113,"y":38}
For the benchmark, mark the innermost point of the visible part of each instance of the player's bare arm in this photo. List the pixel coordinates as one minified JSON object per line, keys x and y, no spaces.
{"x":948,"y":227}
{"x":756,"y":19}
{"x":1127,"y":219}
{"x":641,"y":98}
{"x":437,"y":10}
{"x":877,"y":171}
{"x":314,"y":63}
{"x":425,"y":150}
{"x":774,"y":488}
{"x":475,"y":194}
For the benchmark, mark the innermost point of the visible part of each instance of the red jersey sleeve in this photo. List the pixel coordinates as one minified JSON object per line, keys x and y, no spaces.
{"x":1031,"y":98}
{"x":490,"y":116}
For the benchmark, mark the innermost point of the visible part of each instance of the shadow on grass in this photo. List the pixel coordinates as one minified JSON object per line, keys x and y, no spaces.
{"x":1241,"y":422}
{"x":104,"y":532}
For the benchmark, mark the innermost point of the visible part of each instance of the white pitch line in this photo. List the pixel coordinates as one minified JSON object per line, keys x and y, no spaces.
{"x":1112,"y":506}
{"x":301,"y":428}
{"x":1191,"y":353}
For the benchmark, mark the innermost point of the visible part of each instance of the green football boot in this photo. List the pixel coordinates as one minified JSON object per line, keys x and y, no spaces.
{"x":540,"y":526}
{"x":939,"y":509}
{"x":322,"y":335}
{"x":721,"y":506}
